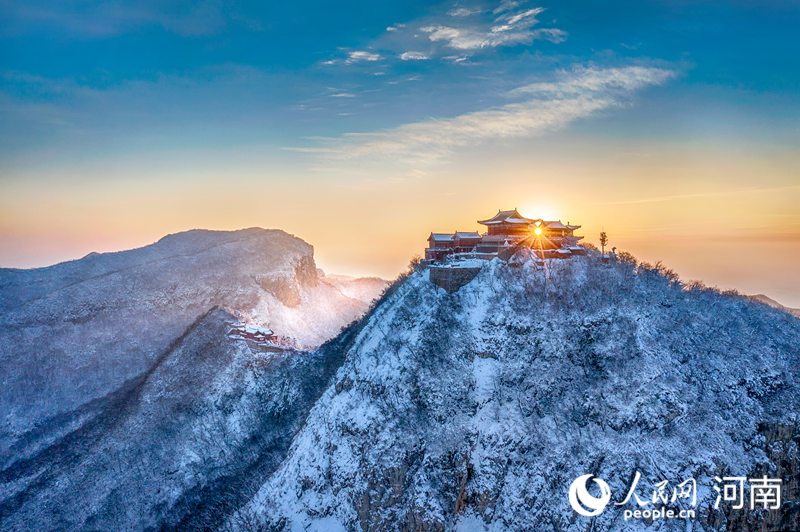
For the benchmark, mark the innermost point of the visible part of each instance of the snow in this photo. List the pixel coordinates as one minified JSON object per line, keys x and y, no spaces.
{"x":555,"y":225}
{"x":364,"y":289}
{"x":466,"y":411}
{"x":325,"y":524}
{"x":529,"y":376}
{"x":77,"y":331}
{"x":471,"y":523}
{"x":254,"y":329}
{"x":484,"y":372}
{"x":463,"y":263}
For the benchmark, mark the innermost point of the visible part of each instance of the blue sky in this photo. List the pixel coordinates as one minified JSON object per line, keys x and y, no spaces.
{"x":110,"y":109}
{"x":157,"y":74}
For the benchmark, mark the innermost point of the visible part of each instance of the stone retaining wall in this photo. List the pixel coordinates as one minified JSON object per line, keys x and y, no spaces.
{"x":451,"y":279}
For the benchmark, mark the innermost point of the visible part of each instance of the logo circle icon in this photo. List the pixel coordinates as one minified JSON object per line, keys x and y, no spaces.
{"x":584,"y":502}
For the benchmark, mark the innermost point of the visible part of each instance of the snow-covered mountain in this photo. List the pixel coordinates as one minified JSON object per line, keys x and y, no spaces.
{"x":72,"y":333}
{"x":761,"y":298}
{"x":477,"y":409}
{"x":361,"y":288}
{"x":466,"y":411}
{"x":175,"y":447}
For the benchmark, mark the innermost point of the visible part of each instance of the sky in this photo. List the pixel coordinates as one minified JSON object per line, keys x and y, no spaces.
{"x":674,"y":126}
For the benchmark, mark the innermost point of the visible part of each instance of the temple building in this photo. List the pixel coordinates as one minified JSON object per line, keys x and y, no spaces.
{"x":440,"y":245}
{"x":254,"y":333}
{"x":506,"y":231}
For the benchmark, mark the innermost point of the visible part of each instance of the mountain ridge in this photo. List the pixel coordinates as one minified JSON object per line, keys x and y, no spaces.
{"x":436,"y":411}
{"x":474,"y":411}
{"x":155,"y":421}
{"x":761,"y":298}
{"x":78,"y":330}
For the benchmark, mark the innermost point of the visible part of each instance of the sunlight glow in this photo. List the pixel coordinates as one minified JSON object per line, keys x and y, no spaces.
{"x":547,"y":212}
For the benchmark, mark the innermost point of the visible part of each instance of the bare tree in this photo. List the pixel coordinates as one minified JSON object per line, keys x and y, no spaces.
{"x":603,"y":241}
{"x":413,"y":264}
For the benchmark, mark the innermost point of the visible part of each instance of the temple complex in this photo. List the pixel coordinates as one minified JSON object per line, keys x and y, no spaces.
{"x":507,"y":231}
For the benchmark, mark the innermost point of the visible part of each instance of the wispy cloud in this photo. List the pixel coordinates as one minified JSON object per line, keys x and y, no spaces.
{"x":465,"y":29}
{"x":542,"y":107}
{"x":506,"y":5}
{"x":362,"y":55}
{"x":355,"y":56}
{"x":414,"y":56}
{"x":508,"y":27}
{"x":463,"y":11}
{"x":596,"y":80}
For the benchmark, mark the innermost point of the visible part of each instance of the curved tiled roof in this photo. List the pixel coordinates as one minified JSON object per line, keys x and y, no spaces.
{"x":513,"y":217}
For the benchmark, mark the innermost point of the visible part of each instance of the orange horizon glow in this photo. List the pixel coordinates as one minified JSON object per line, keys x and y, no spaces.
{"x":701,"y":214}
{"x":716,"y":261}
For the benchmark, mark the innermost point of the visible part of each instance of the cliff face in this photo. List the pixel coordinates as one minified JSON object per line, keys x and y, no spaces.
{"x":75,"y":332}
{"x":478,"y":409}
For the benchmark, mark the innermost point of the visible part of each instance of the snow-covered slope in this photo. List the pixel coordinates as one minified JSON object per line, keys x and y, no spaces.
{"x":478,"y":409}
{"x":361,"y":288}
{"x":75,"y":332}
{"x":466,"y":411}
{"x":179,"y":447}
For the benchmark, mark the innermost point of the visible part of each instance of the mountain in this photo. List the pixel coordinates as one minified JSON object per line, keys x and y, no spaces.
{"x":471,"y":410}
{"x":73,"y":333}
{"x":210,"y":419}
{"x":761,"y":298}
{"x":476,"y":410}
{"x":360,"y":288}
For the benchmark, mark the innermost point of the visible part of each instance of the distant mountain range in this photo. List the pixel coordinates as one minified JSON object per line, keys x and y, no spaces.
{"x":761,"y":298}
{"x":434,"y":411}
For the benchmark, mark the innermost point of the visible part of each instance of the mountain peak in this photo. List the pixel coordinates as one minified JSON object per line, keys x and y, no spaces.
{"x":115,"y":313}
{"x":473,"y":409}
{"x":477,"y":408}
{"x":761,"y":298}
